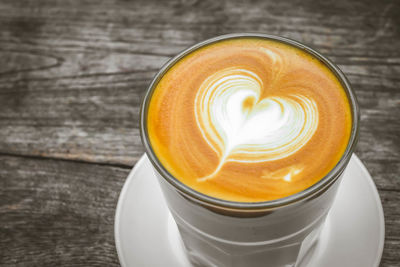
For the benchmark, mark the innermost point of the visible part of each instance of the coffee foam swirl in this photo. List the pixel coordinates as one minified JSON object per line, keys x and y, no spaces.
{"x":241,"y":127}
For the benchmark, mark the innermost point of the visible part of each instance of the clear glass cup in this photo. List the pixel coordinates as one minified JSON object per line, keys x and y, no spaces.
{"x":274,"y":233}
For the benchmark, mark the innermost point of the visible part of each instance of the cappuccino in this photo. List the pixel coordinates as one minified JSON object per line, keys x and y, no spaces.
{"x":249,"y":120}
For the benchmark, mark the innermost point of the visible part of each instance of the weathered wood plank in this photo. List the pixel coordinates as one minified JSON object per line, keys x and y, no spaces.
{"x":57,"y":212}
{"x":390,"y":202}
{"x":96,"y":122}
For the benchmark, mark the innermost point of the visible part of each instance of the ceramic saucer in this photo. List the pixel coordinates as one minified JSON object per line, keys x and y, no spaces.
{"x":146,"y":234}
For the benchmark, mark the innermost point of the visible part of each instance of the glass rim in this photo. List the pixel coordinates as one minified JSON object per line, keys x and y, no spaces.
{"x":319,"y":186}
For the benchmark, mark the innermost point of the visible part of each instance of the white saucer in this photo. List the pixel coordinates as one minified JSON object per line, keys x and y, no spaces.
{"x":146,"y":235}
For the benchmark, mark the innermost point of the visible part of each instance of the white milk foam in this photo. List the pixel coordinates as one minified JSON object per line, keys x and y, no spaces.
{"x":262,"y":130}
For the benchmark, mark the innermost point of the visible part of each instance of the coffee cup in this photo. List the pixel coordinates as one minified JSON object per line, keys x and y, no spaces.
{"x":219,"y":228}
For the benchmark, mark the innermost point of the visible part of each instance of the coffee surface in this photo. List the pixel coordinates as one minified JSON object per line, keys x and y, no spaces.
{"x":249,"y":120}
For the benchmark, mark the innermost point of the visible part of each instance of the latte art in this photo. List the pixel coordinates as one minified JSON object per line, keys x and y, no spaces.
{"x":248,"y":120}
{"x":239,"y":126}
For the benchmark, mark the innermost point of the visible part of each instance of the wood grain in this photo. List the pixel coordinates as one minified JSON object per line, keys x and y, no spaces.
{"x":72,"y":77}
{"x":57,"y":212}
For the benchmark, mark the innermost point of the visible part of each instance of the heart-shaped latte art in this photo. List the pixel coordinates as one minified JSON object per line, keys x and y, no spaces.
{"x":241,"y":127}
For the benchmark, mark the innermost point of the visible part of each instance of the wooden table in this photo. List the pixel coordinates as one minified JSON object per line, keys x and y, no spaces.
{"x":71,"y":79}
